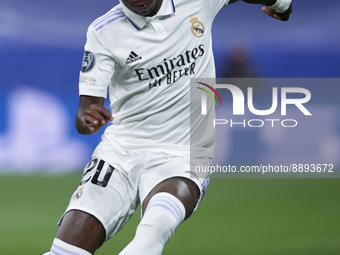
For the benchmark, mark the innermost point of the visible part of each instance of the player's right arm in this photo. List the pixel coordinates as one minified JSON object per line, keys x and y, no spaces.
{"x":95,"y":76}
{"x":91,"y":114}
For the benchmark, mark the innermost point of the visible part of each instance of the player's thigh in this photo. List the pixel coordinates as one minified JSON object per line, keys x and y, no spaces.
{"x":106,"y":195}
{"x":81,"y":230}
{"x":174,"y":175}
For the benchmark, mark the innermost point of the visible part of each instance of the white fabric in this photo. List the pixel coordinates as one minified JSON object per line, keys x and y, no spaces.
{"x":59,"y":247}
{"x":281,"y":5}
{"x":134,"y":176}
{"x":162,"y":216}
{"x":146,"y":63}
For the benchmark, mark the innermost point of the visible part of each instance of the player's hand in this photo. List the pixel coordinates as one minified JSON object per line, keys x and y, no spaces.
{"x":91,"y":115}
{"x":276,"y":15}
{"x":95,"y":117}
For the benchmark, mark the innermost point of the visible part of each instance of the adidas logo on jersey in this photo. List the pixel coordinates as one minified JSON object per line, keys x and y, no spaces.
{"x":133,"y":57}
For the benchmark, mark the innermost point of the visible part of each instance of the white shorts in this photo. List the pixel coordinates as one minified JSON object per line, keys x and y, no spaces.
{"x":114,"y":182}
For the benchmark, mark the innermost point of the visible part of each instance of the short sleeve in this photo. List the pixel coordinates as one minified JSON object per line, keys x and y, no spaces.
{"x":97,"y":67}
{"x":214,"y":6}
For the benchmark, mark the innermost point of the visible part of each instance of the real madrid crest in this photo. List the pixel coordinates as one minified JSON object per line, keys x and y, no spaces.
{"x":78,"y":194}
{"x":197,"y":27}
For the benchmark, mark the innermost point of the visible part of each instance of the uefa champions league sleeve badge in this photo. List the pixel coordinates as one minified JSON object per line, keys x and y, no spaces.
{"x":88,"y":61}
{"x":197,"y":27}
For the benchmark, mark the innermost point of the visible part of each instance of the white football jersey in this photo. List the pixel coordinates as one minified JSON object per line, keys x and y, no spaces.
{"x":146,"y":63}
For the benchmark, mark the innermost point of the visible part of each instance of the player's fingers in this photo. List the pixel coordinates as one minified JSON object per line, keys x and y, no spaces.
{"x":90,"y":120}
{"x":105,"y":114}
{"x":92,"y":116}
{"x":271,"y":13}
{"x":96,"y":116}
{"x":91,"y":123}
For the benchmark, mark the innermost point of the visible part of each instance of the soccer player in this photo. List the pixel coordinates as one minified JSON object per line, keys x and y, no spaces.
{"x":144,"y":52}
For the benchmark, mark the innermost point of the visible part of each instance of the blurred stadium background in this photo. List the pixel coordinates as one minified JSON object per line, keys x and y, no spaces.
{"x":41,"y":154}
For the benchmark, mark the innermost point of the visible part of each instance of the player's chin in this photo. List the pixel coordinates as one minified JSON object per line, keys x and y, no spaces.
{"x":144,"y":8}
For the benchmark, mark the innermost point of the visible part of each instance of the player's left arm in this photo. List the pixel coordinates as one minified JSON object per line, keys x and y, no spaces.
{"x":277,"y":9}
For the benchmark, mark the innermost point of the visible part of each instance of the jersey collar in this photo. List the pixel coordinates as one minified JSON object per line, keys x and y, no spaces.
{"x":139,"y":21}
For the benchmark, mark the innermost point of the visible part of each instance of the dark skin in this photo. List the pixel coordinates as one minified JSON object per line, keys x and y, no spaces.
{"x":146,"y":8}
{"x":77,"y":225}
{"x":84,"y":230}
{"x":91,"y":115}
